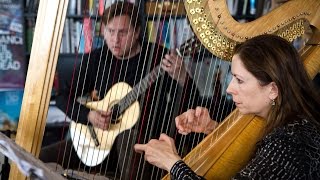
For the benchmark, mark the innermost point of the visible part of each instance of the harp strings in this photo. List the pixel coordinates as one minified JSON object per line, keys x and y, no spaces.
{"x":151,"y":121}
{"x":197,"y":58}
{"x":97,"y":79}
{"x":68,"y":150}
{"x":149,"y":98}
{"x":84,"y":74}
{"x":217,"y":101}
{"x":172,"y":17}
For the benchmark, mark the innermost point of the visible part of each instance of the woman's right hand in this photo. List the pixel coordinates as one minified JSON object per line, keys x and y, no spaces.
{"x":195,"y":120}
{"x":100,"y":119}
{"x":161,"y":153}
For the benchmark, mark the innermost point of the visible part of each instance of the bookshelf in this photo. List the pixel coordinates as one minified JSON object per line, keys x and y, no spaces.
{"x":169,"y":16}
{"x":241,"y":10}
{"x":72,"y":28}
{"x":79,"y":11}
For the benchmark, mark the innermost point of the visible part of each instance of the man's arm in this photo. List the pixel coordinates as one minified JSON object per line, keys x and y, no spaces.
{"x":74,"y":82}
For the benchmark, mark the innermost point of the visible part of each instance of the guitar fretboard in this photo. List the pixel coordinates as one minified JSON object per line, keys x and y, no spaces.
{"x":140,"y":88}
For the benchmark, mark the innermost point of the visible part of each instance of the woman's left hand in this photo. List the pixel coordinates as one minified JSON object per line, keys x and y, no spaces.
{"x":161,"y":153}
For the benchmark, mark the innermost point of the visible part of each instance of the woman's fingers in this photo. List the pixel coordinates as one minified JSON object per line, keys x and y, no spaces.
{"x":169,"y":141}
{"x":195,"y":120}
{"x":161,"y":153}
{"x":184,"y":122}
{"x":140,"y":148}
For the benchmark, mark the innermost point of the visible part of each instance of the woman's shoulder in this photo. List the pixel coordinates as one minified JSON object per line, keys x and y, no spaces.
{"x":293,"y":150}
{"x":299,"y":138}
{"x":302,"y":128}
{"x":300,"y":131}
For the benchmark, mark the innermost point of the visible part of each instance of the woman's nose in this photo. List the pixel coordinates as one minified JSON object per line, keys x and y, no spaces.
{"x":230,"y":89}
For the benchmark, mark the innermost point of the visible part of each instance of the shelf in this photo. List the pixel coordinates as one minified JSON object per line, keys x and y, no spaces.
{"x":165,"y":8}
{"x":74,"y":16}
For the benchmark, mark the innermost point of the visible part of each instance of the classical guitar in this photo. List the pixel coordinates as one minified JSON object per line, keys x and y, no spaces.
{"x":93,"y":144}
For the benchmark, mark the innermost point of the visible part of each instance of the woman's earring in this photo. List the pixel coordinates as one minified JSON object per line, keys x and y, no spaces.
{"x":273,"y":103}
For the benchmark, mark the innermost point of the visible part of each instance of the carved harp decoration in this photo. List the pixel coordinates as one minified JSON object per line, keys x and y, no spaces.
{"x":219,"y":32}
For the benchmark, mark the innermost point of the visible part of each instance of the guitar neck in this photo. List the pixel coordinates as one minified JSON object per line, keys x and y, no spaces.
{"x":189,"y":46}
{"x":140,"y":88}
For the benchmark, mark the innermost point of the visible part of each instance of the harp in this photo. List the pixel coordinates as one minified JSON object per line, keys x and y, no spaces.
{"x":226,"y":150}
{"x":50,"y":21}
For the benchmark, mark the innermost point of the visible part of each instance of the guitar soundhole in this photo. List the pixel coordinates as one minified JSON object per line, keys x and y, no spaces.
{"x":115,"y":114}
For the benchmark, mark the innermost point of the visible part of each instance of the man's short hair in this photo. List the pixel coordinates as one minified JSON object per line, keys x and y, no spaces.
{"x":120,"y":8}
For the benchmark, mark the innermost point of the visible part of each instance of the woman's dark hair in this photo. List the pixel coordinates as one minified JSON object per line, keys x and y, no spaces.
{"x":271,"y":58}
{"x":120,"y":8}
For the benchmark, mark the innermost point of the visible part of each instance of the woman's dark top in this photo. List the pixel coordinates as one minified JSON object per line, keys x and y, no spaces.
{"x":289,"y":152}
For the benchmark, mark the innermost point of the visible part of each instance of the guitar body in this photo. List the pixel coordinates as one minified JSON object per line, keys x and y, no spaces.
{"x":124,"y":96}
{"x":87,"y":151}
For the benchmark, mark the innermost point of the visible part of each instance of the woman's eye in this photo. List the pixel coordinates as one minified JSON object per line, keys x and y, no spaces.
{"x":239,"y":80}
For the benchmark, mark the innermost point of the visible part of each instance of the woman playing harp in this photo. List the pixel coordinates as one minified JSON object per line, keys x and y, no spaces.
{"x":269,"y":80}
{"x":123,"y":59}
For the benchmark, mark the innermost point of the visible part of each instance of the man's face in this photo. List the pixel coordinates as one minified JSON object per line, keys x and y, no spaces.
{"x":121,"y":37}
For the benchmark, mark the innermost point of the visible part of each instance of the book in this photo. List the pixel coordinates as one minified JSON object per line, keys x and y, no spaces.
{"x":10,"y":106}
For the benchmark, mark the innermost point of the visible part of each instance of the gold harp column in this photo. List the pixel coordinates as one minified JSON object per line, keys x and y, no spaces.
{"x":42,"y":65}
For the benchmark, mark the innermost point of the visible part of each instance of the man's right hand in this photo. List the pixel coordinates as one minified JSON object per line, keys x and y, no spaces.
{"x":100,"y":119}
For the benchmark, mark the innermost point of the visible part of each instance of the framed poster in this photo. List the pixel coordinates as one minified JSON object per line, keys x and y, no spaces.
{"x":12,"y":50}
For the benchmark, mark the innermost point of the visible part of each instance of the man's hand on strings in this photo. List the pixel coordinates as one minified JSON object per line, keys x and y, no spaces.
{"x":173,"y":64}
{"x":100,"y":119}
{"x":161,"y":153}
{"x":195,"y":120}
